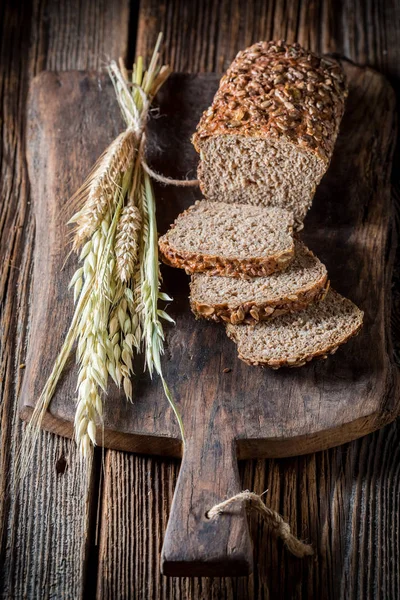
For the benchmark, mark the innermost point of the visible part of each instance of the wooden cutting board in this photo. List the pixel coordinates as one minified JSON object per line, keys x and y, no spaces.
{"x":230,"y":410}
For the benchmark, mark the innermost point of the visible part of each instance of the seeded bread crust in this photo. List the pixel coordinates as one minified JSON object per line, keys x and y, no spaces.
{"x":297,"y":361}
{"x":281,"y":91}
{"x":252,"y":312}
{"x":194,"y":262}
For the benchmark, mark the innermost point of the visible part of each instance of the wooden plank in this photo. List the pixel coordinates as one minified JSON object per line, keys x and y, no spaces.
{"x":345,"y":499}
{"x":44,"y":532}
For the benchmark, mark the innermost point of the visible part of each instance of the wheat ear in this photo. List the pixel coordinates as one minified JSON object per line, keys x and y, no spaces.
{"x":122,"y":344}
{"x":98,"y":192}
{"x":93,"y":342}
{"x":127,"y":242}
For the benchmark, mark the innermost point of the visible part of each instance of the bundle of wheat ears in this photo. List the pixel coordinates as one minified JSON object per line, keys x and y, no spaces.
{"x":117,"y":286}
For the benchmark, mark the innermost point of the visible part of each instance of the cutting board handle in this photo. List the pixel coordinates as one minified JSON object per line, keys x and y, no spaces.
{"x":195,"y":545}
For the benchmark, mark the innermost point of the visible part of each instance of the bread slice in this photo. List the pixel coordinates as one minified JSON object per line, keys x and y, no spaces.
{"x":229,"y":239}
{"x":294,"y":339}
{"x":236,"y":300}
{"x":268,"y":137}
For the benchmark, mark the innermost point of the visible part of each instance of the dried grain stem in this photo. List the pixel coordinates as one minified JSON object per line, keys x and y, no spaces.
{"x":117,"y":287}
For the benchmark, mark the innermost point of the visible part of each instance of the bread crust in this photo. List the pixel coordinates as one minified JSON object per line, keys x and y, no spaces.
{"x":299,"y":361}
{"x":224,"y":267}
{"x":252,"y":312}
{"x":280,"y":91}
{"x":209,"y":264}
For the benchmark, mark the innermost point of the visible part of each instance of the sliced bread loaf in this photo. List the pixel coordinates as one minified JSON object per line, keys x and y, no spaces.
{"x":229,"y":239}
{"x":236,"y":300}
{"x":293,"y":339}
{"x":268,"y":136}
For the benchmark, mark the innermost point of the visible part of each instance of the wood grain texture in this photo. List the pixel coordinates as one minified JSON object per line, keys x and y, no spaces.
{"x":253,"y":411}
{"x":347,"y":227}
{"x":203,"y":37}
{"x":45,"y":532}
{"x":346,"y":499}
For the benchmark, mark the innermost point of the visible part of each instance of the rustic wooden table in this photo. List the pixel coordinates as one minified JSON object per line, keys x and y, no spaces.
{"x":74,"y":532}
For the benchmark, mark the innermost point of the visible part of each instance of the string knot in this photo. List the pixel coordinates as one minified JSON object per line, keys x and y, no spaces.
{"x":277,"y":523}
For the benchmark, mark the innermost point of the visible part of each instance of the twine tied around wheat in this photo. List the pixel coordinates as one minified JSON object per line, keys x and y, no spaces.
{"x":278,"y":525}
{"x":137,"y":121}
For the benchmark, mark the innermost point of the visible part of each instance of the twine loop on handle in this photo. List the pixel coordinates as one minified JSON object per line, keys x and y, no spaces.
{"x":274,"y":519}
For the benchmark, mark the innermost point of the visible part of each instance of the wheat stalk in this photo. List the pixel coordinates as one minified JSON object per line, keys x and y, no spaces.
{"x":122,"y":344}
{"x":98,"y":191}
{"x":151,"y":314}
{"x":92,"y":341}
{"x":134,"y":303}
{"x":117,"y":285}
{"x":127,"y":242}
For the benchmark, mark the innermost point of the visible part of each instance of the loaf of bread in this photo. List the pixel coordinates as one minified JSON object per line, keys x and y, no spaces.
{"x":269,"y":134}
{"x":294,"y":339}
{"x":264,"y":144}
{"x":236,"y":300}
{"x":229,"y":240}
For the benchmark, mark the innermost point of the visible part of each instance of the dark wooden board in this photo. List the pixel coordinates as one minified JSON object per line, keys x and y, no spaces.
{"x":268,"y":414}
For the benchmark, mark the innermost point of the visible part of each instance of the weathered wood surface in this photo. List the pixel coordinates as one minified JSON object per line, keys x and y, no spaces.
{"x":267,"y":413}
{"x":46,"y":534}
{"x":347,"y":499}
